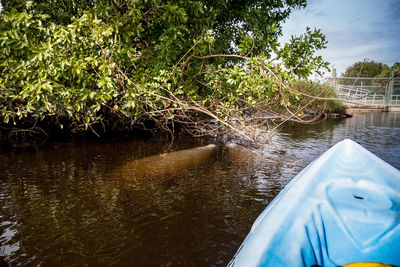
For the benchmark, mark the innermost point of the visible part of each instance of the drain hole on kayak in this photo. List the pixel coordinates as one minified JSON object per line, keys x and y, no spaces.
{"x":358,"y":197}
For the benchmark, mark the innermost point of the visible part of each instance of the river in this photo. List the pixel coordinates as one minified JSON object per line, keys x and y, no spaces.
{"x":61,"y":207}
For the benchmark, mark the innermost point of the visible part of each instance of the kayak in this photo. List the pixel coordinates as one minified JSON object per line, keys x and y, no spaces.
{"x":342,"y":209}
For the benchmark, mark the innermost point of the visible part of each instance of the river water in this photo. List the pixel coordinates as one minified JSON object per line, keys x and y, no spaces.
{"x":65,"y":204}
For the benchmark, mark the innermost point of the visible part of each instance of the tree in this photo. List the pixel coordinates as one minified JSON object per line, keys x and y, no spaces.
{"x":393,"y":70}
{"x":368,"y":69}
{"x":299,"y":55}
{"x":92,"y":62}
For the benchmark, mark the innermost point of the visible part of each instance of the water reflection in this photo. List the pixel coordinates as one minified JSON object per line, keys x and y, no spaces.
{"x":60,"y":206}
{"x":378,"y":132}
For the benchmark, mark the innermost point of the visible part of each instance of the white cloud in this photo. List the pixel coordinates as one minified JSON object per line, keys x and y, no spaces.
{"x":355,"y":30}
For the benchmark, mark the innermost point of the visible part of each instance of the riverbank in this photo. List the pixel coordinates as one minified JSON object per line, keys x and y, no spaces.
{"x":310,"y":99}
{"x":351,"y":110}
{"x":29,"y":133}
{"x":42,"y":132}
{"x":306,"y":101}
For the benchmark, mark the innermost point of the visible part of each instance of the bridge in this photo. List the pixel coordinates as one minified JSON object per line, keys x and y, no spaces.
{"x":368,"y":93}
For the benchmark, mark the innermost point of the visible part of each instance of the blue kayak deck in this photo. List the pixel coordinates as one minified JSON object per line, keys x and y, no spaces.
{"x":344,"y":207}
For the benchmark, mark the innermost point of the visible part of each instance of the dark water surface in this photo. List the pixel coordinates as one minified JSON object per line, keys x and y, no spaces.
{"x":61,"y":207}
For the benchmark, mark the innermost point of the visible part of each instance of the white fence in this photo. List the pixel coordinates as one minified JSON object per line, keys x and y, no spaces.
{"x":377,"y":92}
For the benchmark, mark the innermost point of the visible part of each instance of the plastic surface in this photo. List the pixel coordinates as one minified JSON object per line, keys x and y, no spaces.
{"x":344,"y":207}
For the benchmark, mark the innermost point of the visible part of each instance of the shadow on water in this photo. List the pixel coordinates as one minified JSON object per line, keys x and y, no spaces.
{"x":61,"y":206}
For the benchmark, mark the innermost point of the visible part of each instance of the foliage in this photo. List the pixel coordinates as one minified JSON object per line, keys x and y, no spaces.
{"x":299,"y":55}
{"x":327,"y":99}
{"x":369,"y":69}
{"x":393,"y":70}
{"x":85,"y":62}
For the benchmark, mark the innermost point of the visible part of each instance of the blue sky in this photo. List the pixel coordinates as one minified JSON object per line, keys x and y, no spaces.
{"x":355,"y":29}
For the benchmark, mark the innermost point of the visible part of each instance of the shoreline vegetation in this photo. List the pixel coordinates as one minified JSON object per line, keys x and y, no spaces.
{"x":108,"y":68}
{"x":32,"y":131}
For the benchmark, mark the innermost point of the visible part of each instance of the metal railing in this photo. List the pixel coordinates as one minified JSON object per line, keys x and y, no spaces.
{"x":376,"y":92}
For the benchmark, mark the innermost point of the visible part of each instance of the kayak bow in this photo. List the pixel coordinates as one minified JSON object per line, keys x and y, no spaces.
{"x":342,"y":208}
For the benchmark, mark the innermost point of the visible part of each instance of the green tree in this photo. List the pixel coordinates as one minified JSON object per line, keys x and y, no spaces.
{"x":299,"y":55}
{"x":88,"y":62}
{"x":369,"y":69}
{"x":393,"y":70}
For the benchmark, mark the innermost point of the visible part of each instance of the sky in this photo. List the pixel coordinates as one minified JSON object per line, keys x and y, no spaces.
{"x":355,"y":30}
